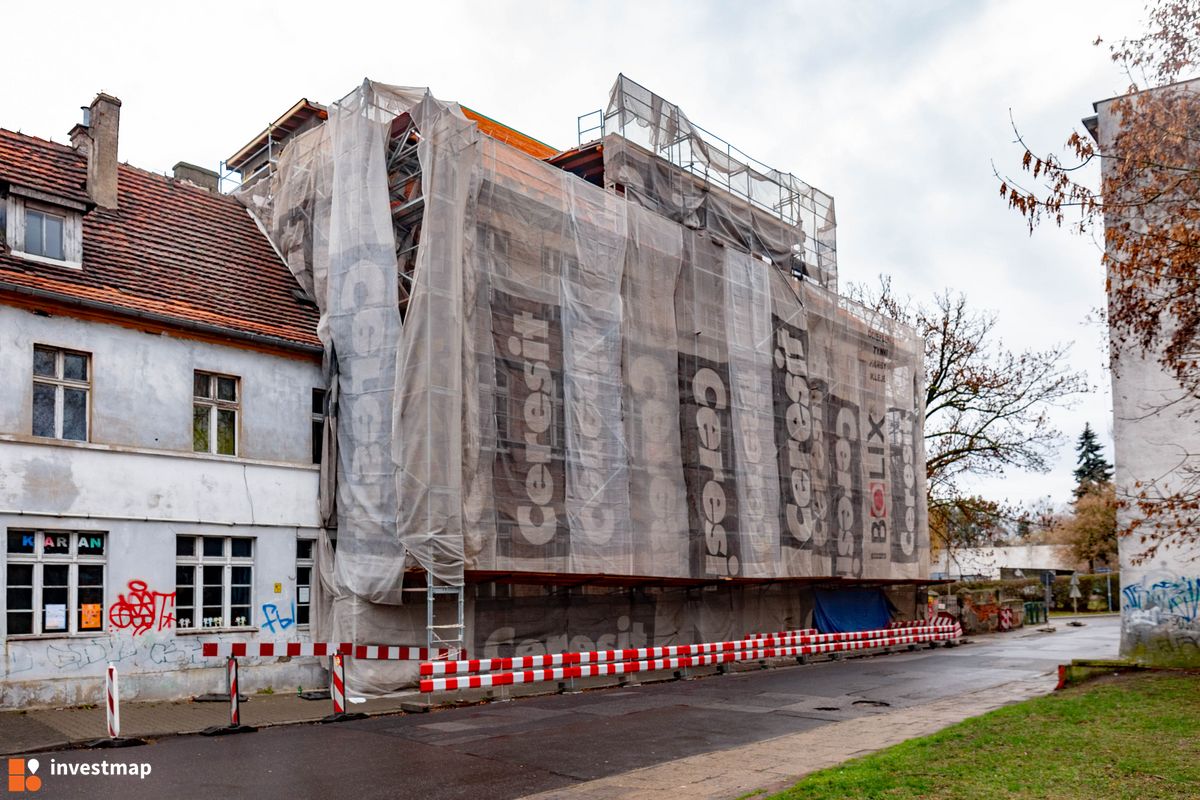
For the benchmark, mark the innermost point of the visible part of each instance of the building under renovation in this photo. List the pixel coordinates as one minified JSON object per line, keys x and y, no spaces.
{"x":443,"y":385}
{"x":607,"y":396}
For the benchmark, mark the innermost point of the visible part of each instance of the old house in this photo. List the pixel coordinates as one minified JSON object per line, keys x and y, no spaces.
{"x":161,"y":390}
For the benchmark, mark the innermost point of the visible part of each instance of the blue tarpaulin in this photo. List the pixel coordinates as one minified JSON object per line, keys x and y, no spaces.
{"x":845,"y":610}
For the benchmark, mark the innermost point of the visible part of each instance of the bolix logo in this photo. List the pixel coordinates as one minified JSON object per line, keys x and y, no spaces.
{"x":22,"y":775}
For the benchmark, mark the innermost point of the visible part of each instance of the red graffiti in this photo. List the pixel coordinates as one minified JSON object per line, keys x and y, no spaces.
{"x":143,"y":609}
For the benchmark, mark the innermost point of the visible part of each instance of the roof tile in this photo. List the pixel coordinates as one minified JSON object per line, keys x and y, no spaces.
{"x":170,"y":248}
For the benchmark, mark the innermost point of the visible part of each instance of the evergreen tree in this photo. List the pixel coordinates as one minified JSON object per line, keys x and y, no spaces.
{"x":1093,"y":471}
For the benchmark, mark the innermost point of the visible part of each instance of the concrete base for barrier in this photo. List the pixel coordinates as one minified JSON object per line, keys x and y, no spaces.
{"x":410,"y":707}
{"x":344,"y":716}
{"x":118,"y":741}
{"x":316,"y":694}
{"x":226,"y":730}
{"x":223,"y":698}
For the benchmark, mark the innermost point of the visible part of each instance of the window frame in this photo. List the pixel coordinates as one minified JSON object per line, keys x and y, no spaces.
{"x":196,"y":562}
{"x":215,"y":405}
{"x":43,"y":216}
{"x":318,"y":424}
{"x":61,"y":384}
{"x":309,"y":564}
{"x":16,"y":227}
{"x":72,"y":559}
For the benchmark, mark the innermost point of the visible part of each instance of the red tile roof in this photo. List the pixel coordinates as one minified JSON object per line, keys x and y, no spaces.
{"x":170,"y":249}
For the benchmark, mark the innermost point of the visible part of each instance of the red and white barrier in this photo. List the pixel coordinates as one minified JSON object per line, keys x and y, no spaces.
{"x":782,"y":638}
{"x":801,"y":631}
{"x":601,"y":656}
{"x":361,"y":651}
{"x":829,"y":643}
{"x":113,"y":700}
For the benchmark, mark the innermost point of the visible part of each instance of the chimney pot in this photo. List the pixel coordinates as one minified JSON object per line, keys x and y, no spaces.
{"x":81,"y":140}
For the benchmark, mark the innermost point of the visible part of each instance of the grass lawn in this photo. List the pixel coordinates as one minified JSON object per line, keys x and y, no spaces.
{"x":1132,"y":736}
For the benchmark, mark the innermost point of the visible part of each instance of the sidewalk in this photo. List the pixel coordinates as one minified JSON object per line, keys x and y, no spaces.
{"x":775,"y":764}
{"x":56,"y":728}
{"x":23,"y":732}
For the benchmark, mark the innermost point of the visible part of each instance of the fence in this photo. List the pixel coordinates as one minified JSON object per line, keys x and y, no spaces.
{"x":485,"y":673}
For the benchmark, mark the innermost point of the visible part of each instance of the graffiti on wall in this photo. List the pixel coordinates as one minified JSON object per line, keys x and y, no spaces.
{"x":1176,"y":597}
{"x":273,"y":617}
{"x":142,"y":610}
{"x":1161,"y":614}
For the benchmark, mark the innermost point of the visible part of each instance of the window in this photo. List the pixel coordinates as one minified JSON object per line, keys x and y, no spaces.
{"x":304,"y":569}
{"x":61,"y":382}
{"x":318,"y":423}
{"x":55,"y":582}
{"x":213,"y":581}
{"x":215,"y":414}
{"x":42,"y":232}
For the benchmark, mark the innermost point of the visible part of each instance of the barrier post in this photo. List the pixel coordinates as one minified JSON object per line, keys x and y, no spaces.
{"x":337,"y":692}
{"x":235,"y":705}
{"x":112,"y":713}
{"x":112,"y":703}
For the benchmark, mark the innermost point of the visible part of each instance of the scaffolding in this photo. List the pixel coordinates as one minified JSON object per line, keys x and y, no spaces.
{"x":642,"y":380}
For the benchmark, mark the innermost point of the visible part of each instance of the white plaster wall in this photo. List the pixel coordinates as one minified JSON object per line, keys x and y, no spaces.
{"x":46,"y":477}
{"x":1161,"y":595}
{"x":1155,"y":437}
{"x":138,"y":481}
{"x":142,"y":386}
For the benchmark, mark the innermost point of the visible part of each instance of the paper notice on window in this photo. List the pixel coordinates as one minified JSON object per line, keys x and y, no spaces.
{"x":302,"y":594}
{"x":89,"y":616}
{"x":56,"y":617}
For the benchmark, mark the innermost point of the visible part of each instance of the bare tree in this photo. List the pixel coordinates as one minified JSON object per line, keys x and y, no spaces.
{"x":986,"y":407}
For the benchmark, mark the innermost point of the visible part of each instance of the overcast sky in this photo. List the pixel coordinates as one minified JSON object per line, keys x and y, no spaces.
{"x":897,"y":109}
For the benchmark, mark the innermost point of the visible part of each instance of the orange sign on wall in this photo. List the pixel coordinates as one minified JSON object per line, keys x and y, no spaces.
{"x":90,"y":616}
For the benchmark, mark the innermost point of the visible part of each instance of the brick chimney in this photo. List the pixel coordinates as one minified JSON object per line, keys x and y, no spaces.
{"x":96,"y":138}
{"x":204,"y":178}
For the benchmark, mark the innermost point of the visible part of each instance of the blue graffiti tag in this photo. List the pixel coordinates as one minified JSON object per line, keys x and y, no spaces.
{"x":273,"y":617}
{"x":1179,"y":597}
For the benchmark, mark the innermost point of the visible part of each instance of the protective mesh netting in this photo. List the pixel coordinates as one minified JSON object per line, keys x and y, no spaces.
{"x":584,"y":381}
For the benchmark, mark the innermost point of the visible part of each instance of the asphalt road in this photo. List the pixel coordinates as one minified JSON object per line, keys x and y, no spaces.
{"x":504,"y":750}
